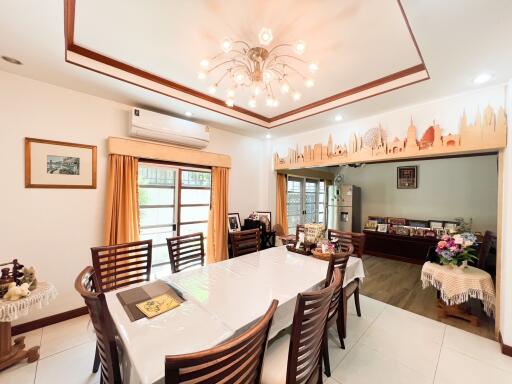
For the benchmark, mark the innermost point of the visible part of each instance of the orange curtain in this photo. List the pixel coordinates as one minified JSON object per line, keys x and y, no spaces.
{"x":122,"y":211}
{"x":218,"y":219}
{"x":281,"y":214}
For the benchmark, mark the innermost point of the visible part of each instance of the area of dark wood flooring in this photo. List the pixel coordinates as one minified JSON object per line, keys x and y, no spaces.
{"x":398,"y":283}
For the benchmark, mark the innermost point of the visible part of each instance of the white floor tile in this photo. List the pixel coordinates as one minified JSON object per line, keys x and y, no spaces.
{"x":416,"y":352}
{"x":370,"y":308}
{"x":67,"y":334}
{"x":19,"y":374}
{"x":455,"y":367}
{"x":477,"y":347}
{"x":364,"y":365}
{"x":73,"y":366}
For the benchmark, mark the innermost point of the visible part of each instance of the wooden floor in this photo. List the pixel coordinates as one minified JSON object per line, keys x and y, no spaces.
{"x":398,"y":283}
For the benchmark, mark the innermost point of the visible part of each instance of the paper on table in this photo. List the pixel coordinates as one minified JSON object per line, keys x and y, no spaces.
{"x":158,"y":305}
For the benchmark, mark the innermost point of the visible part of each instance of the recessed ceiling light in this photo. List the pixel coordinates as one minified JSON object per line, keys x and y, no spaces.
{"x":338,"y":117}
{"x":268,"y":136}
{"x":482,"y":78}
{"x":188,"y":114}
{"x":12,"y":60}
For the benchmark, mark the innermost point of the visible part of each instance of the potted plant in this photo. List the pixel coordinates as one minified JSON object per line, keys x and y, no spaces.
{"x":456,"y":250}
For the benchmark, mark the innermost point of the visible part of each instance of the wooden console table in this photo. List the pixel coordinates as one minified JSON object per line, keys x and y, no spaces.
{"x":412,"y":249}
{"x":12,"y":353}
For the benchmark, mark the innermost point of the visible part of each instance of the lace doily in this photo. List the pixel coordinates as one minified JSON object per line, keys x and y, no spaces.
{"x":12,"y":310}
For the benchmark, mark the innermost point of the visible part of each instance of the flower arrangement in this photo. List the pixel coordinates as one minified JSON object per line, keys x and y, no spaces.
{"x":326,"y":246}
{"x":456,"y":249}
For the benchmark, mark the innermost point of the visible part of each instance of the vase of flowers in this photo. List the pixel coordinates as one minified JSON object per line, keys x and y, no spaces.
{"x":456,"y":250}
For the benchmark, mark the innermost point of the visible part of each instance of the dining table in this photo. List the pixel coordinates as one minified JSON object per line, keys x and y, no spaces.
{"x":221,"y":301}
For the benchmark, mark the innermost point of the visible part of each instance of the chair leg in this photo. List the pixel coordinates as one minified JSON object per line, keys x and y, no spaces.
{"x":345,"y":305}
{"x":96,"y":364}
{"x":325,"y":352}
{"x":356,"y":300}
{"x":340,"y":326}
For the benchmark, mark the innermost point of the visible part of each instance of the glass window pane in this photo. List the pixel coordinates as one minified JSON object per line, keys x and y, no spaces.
{"x":160,"y":255}
{"x":195,"y":179}
{"x":187,"y":229}
{"x":156,"y":174}
{"x":194,"y":213}
{"x":156,"y":196}
{"x":158,"y":235}
{"x":195,"y":196}
{"x":156,"y":216}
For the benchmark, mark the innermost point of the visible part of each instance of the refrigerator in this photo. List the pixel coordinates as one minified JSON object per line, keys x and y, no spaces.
{"x":344,"y":207}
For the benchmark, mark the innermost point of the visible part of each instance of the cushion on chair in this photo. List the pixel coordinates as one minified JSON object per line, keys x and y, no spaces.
{"x":276,"y":361}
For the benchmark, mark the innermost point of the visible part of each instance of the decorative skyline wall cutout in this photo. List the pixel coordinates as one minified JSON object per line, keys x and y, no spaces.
{"x":488,"y":132}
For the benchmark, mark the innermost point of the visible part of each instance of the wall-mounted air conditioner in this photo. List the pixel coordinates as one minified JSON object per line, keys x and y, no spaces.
{"x":155,"y":126}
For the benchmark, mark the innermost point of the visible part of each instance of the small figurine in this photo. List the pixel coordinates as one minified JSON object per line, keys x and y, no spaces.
{"x":17,"y":275}
{"x":17,"y":292}
{"x":29,"y":277}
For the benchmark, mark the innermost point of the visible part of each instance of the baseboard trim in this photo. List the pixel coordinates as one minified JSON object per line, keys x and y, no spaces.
{"x":45,"y":321}
{"x":505,"y":349}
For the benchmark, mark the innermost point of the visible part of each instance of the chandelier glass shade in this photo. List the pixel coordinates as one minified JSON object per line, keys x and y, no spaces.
{"x":262,"y":70}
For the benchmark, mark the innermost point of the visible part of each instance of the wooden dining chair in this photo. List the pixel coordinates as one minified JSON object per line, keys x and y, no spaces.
{"x":116,"y":266}
{"x":244,"y":242}
{"x":103,"y":326}
{"x":357,"y":240}
{"x":337,"y":309}
{"x":186,"y":251}
{"x":236,"y":361}
{"x":297,"y":358}
{"x":347,"y":238}
{"x":485,"y":248}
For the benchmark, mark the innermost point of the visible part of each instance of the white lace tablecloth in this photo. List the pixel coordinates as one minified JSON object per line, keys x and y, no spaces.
{"x":456,"y":285}
{"x":12,"y":310}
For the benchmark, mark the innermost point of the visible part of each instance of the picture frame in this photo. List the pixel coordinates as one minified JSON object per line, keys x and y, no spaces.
{"x":397,"y":221}
{"x":402,"y":230}
{"x":234,"y":224}
{"x":382,"y":228}
{"x":371,"y":225}
{"x":407,"y":177}
{"x":430,"y":233}
{"x":379,"y":219}
{"x":434,"y":224}
{"x":268,"y":215}
{"x":418,"y":223}
{"x":450,"y":225}
{"x":59,"y":164}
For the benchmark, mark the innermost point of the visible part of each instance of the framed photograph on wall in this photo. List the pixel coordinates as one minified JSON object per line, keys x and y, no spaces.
{"x":407,"y":177}
{"x":57,"y":164}
{"x":234,"y":224}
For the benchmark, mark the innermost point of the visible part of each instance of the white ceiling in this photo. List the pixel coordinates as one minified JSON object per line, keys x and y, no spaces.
{"x":457,"y":42}
{"x":169,"y":39}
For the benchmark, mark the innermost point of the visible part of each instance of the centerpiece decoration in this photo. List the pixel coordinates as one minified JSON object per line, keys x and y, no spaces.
{"x":456,"y":249}
{"x":324,"y":250}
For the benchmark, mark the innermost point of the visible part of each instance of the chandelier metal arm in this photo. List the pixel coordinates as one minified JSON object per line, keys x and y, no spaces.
{"x":279,"y":46}
{"x":293,"y":69}
{"x":226,"y":62}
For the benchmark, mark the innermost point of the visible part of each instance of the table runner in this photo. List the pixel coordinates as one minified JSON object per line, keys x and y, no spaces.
{"x":456,"y":285}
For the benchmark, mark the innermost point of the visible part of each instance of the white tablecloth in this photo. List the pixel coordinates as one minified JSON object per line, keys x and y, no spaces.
{"x":222,"y":299}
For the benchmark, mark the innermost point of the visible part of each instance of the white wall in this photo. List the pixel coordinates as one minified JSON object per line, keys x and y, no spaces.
{"x":447,"y":188}
{"x":53,"y":229}
{"x":506,"y":241}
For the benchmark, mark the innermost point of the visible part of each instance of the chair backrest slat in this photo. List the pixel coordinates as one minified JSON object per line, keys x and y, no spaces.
{"x":236,"y":361}
{"x":309,"y":321}
{"x":186,"y":251}
{"x":244,"y":242}
{"x":119,"y":265}
{"x":347,"y":238}
{"x":103,"y":326}
{"x":338,"y":261}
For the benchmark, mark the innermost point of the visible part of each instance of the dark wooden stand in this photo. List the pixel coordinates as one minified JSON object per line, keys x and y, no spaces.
{"x":459,"y":311}
{"x":412,"y":249}
{"x":12,"y":353}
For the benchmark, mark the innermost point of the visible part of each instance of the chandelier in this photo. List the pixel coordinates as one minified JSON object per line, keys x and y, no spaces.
{"x":263,"y":70}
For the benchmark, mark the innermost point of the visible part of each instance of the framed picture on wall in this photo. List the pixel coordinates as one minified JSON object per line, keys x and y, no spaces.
{"x":234,"y":224}
{"x":407,"y":177}
{"x":57,"y":164}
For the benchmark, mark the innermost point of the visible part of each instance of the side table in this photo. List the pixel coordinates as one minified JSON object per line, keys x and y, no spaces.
{"x":13,"y":351}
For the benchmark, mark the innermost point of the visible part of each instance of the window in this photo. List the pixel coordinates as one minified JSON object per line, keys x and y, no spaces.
{"x":173,"y":201}
{"x":305,"y":201}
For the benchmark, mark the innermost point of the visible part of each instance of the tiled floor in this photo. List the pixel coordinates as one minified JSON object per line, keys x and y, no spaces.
{"x":386,"y":345}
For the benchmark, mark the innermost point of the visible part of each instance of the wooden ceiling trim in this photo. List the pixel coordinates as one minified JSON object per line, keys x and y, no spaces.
{"x":217,"y":105}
